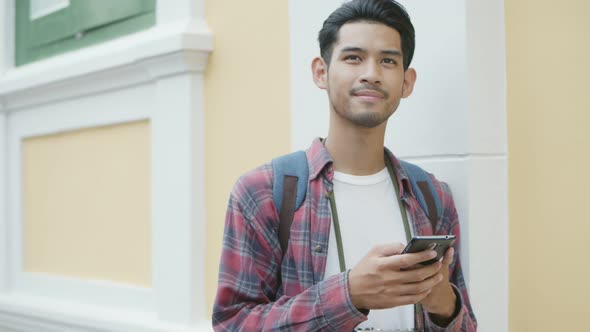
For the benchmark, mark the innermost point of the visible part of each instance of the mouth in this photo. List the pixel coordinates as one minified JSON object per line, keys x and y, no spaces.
{"x":369,"y":95}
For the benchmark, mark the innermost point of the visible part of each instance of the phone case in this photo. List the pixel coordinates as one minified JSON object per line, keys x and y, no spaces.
{"x":438,"y":243}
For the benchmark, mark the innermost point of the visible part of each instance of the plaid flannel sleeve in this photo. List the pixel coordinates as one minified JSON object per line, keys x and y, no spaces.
{"x":247,"y":283}
{"x":464,"y":320}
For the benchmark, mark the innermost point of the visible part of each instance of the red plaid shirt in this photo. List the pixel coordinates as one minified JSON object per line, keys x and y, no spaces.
{"x":250,"y":296}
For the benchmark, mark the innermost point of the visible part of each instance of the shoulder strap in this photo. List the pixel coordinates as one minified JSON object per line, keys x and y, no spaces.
{"x":425,"y":192}
{"x":290,"y":174}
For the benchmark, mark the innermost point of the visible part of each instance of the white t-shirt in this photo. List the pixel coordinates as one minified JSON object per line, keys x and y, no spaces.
{"x":368,"y":214}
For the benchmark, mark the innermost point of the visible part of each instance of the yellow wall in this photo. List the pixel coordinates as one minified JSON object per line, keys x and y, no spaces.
{"x":86,"y":203}
{"x":548,"y":131}
{"x":247,"y":107}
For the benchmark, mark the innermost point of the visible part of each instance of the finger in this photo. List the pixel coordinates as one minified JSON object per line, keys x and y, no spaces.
{"x":448,"y":258}
{"x":418,"y":274}
{"x":385,"y":250}
{"x":420,"y":287}
{"x":412,"y":299}
{"x":413,"y":267}
{"x":405,"y":261}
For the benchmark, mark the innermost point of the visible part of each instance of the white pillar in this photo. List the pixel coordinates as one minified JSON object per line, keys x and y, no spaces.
{"x":4,"y":232}
{"x":178,"y":199}
{"x":488,"y":177}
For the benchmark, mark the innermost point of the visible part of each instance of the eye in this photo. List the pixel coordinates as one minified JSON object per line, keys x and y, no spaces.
{"x":352,"y":58}
{"x":389,"y":61}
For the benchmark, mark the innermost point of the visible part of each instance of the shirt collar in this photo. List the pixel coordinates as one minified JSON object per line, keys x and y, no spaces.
{"x":320,"y":161}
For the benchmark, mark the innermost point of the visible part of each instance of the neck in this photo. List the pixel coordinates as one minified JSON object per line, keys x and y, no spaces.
{"x":357,"y":151}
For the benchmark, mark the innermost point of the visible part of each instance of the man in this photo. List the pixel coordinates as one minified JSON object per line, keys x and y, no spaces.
{"x":351,"y":214}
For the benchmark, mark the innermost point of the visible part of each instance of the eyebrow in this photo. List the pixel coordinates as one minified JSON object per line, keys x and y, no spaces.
{"x":362,"y":50}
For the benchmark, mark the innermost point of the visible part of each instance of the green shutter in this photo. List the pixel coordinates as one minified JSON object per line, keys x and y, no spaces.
{"x":47,"y":29}
{"x":83,"y":23}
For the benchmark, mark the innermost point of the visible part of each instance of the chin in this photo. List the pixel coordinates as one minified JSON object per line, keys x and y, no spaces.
{"x":369,"y":120}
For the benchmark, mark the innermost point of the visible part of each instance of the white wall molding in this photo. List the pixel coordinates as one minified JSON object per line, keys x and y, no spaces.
{"x":178,"y":10}
{"x":176,"y":302}
{"x":135,"y":59}
{"x":154,"y":75}
{"x":4,"y":230}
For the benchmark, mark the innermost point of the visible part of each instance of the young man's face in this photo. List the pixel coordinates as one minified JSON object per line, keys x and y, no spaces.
{"x":366,"y":79}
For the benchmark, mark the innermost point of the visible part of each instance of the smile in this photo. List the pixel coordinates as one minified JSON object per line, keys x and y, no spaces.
{"x":369,"y":95}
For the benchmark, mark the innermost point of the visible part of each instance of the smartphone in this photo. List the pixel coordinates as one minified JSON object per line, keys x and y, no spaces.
{"x":438,"y":243}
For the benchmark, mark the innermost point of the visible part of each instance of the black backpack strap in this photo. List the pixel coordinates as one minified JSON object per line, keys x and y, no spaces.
{"x":287,"y":211}
{"x":430,"y":203}
{"x":425,"y":192}
{"x":290,"y":179}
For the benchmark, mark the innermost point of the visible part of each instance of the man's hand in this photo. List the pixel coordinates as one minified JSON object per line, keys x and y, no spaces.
{"x":382,"y":279}
{"x":440,"y":303}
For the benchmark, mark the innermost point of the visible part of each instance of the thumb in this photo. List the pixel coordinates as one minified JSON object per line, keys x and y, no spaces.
{"x":448,"y":258}
{"x":389,"y":249}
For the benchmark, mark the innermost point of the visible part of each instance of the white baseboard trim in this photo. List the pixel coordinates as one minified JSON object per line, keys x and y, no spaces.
{"x":28,"y":314}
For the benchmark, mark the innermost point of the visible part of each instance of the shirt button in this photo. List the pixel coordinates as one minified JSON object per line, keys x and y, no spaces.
{"x":318,"y":248}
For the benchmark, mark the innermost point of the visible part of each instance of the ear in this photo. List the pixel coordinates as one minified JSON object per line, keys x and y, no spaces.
{"x":409,"y":81}
{"x":319,"y":70}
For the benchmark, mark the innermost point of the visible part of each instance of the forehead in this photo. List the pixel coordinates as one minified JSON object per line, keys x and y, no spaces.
{"x":368,"y":35}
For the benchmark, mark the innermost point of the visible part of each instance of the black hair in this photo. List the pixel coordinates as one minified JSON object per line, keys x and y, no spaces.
{"x":388,"y":12}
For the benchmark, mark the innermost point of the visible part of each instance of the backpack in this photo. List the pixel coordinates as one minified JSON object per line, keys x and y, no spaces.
{"x":291,"y":176}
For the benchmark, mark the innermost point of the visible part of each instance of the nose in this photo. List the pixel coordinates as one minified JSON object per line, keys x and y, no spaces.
{"x":372,"y":73}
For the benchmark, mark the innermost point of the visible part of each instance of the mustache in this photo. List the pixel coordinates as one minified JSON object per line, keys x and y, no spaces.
{"x":369,"y":87}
